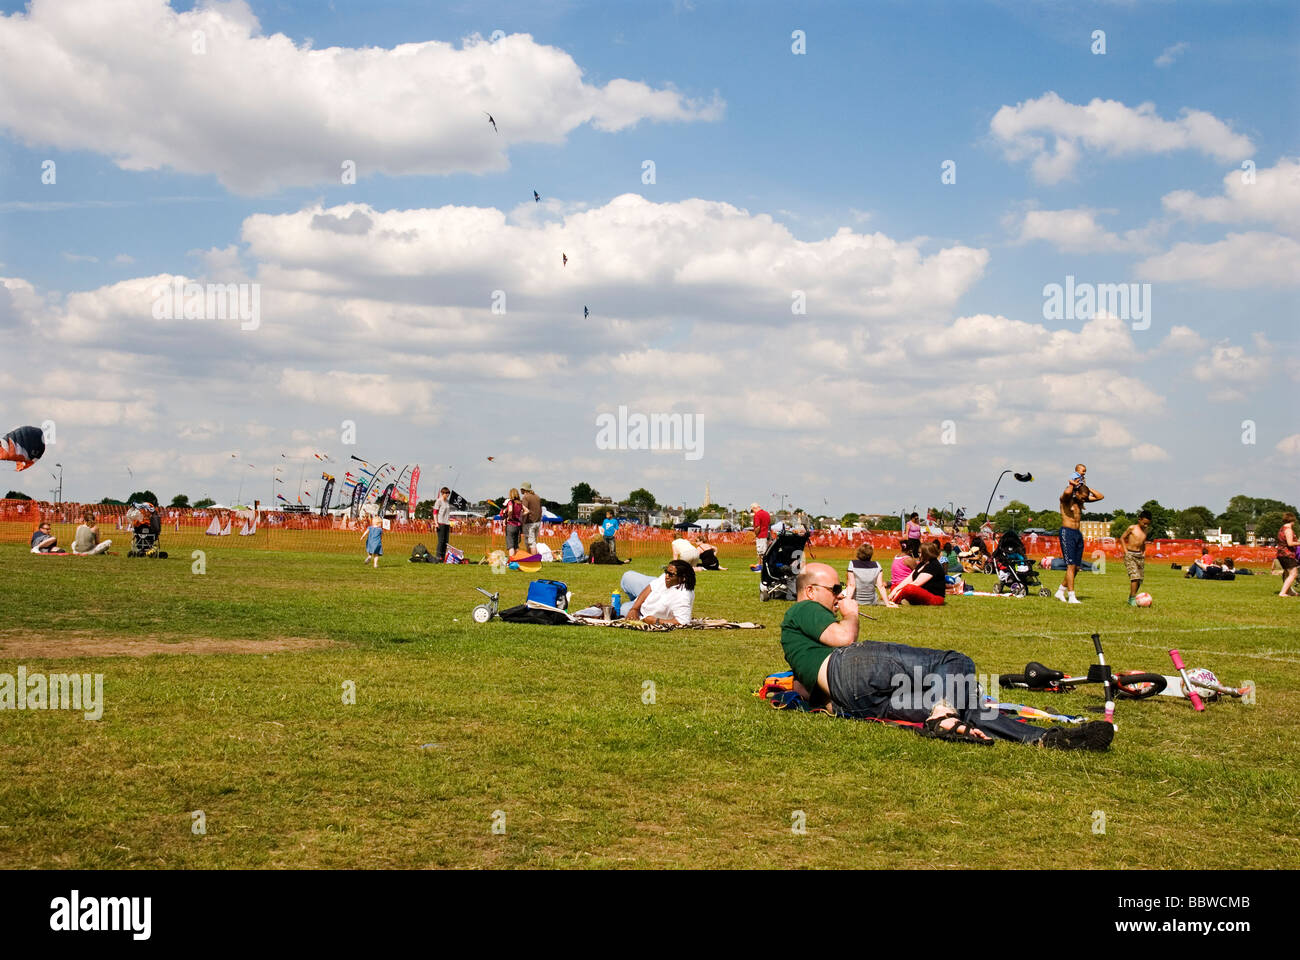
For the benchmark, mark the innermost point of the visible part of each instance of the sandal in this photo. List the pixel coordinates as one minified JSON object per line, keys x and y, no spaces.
{"x":959,"y":732}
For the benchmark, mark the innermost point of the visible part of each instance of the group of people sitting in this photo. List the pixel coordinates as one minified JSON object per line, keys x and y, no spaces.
{"x":1205,"y":567}
{"x":84,"y":543}
{"x":922,"y":574}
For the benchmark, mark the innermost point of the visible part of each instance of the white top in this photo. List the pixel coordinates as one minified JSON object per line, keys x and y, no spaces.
{"x":668,"y":603}
{"x":683,"y":549}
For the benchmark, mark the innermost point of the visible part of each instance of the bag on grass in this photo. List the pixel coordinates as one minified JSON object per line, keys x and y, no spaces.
{"x":420,"y":554}
{"x":523,"y":613}
{"x":550,"y":593}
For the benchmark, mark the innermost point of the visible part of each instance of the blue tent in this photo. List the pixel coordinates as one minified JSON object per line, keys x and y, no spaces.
{"x":572,"y":551}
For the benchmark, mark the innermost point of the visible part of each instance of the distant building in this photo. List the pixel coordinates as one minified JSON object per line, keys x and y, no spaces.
{"x":1094,"y":529}
{"x":585,"y":509}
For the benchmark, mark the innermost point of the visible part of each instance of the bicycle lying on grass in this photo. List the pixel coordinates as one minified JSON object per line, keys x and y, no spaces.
{"x":1127,"y":684}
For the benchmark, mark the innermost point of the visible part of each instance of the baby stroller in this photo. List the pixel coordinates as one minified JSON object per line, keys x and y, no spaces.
{"x":1016,"y":573}
{"x":781,"y":564}
{"x":146,"y":526}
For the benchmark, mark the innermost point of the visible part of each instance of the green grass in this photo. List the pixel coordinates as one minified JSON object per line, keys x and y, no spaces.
{"x":548,"y":725}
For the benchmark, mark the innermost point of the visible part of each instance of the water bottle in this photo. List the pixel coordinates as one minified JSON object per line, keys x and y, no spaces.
{"x":616,"y":601}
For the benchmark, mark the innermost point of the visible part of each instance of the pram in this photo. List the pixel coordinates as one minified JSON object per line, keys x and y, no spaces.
{"x":781,"y":564}
{"x":146,"y":527}
{"x":1016,"y":573}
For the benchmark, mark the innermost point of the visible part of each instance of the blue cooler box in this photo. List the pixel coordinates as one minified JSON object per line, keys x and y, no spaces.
{"x":551,"y":593}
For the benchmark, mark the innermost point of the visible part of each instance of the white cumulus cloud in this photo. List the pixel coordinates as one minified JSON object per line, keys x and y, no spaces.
{"x":1105,"y":126}
{"x":128,"y":79}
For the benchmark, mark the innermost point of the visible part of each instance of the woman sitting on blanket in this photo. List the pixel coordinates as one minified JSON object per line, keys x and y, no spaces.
{"x":669,"y":598}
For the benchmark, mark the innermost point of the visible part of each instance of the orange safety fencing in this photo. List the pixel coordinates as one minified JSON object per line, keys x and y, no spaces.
{"x":186,"y":529}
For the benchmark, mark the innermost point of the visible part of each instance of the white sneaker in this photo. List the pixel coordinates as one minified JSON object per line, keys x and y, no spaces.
{"x":1060,"y":594}
{"x":1073,"y":599}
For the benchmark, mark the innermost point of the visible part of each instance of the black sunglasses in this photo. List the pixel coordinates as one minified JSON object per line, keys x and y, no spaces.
{"x":836,"y":590}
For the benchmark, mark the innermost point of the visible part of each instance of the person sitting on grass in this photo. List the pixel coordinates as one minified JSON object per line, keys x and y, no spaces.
{"x":926,"y":585}
{"x":904,"y":563}
{"x":43,"y":541}
{"x":951,"y":559}
{"x":881,"y":680}
{"x":866,"y":579}
{"x":698,"y":553}
{"x":87,"y":541}
{"x":1196,"y":569}
{"x":669,"y":598}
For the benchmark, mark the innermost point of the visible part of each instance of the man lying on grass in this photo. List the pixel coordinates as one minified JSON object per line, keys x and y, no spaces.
{"x":892,"y":681}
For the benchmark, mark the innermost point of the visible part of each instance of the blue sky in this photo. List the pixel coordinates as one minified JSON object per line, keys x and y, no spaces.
{"x":850,"y":134}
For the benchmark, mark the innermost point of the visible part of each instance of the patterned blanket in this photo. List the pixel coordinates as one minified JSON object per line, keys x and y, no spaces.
{"x":706,"y":624}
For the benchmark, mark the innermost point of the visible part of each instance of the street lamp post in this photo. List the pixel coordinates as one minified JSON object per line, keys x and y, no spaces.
{"x":1022,"y":477}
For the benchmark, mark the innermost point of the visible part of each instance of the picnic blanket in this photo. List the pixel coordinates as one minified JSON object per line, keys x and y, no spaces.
{"x":698,"y":624}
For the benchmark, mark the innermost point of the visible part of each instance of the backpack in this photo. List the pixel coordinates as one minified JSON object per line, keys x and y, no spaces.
{"x":420,"y":554}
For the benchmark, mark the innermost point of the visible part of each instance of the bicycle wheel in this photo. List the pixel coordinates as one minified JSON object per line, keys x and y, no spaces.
{"x":1139,"y":686}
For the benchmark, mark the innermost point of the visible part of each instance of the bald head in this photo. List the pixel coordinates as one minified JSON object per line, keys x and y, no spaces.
{"x":817,"y":574}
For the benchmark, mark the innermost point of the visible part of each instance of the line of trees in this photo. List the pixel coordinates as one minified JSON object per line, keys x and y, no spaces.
{"x":1243,"y":514}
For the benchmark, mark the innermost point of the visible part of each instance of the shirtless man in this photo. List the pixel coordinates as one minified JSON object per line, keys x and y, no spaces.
{"x":1072,"y":500}
{"x":1134,"y":542}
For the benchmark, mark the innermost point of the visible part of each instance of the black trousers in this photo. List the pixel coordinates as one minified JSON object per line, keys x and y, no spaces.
{"x":444,"y":531}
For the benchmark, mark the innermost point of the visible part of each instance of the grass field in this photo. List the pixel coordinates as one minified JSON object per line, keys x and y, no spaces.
{"x":454,"y":722}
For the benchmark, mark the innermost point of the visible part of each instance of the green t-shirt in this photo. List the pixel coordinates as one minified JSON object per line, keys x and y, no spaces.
{"x":801,"y":630}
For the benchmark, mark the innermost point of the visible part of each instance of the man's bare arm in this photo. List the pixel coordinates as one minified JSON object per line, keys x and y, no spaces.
{"x":844,"y":633}
{"x":1094,"y":495}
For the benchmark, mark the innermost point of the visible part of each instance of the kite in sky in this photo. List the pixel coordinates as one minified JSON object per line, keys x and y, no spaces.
{"x":564,"y":259}
{"x":493,"y":122}
{"x":25,"y":445}
{"x":585,"y":313}
{"x":536,"y":198}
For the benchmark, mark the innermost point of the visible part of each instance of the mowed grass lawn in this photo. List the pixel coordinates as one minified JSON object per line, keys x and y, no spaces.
{"x":454,"y":722}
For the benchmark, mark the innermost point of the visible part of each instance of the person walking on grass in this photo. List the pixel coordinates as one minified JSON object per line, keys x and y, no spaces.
{"x":762,"y":528}
{"x":374,"y":537}
{"x":1075,"y":496}
{"x":513,"y":514}
{"x":1134,"y":542}
{"x":532,"y":517}
{"x":1288,"y":552}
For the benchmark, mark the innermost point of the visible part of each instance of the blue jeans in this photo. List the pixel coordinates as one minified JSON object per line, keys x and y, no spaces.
{"x":892,"y":681}
{"x":633,"y":583}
